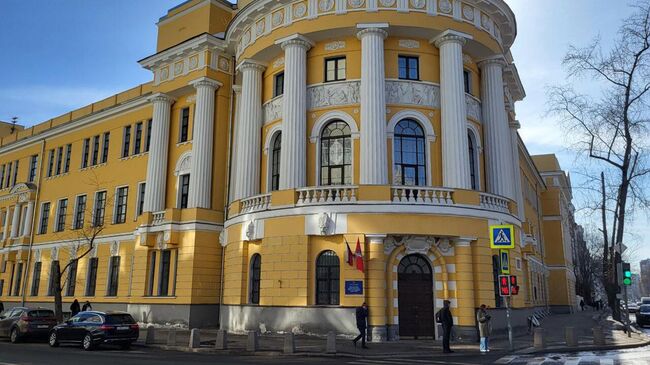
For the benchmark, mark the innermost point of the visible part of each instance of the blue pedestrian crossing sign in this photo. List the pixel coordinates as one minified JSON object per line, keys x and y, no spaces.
{"x":502,"y":236}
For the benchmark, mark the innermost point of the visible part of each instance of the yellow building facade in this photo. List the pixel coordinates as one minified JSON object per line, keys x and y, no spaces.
{"x":278,"y":142}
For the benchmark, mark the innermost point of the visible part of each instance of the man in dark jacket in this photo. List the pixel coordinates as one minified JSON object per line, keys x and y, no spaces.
{"x":444,"y":317}
{"x":362,"y":316}
{"x":87,"y":307}
{"x":75,"y":308}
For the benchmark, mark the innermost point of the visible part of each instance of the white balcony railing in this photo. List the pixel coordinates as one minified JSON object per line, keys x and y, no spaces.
{"x":256,"y":203}
{"x":158,"y":217}
{"x":494,"y":202}
{"x":422,"y":195}
{"x":327,"y":194}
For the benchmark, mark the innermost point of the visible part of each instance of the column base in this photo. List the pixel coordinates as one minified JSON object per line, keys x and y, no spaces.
{"x":392,"y":332}
{"x":377,"y":333}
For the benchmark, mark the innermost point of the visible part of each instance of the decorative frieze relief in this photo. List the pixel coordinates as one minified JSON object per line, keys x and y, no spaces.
{"x":333,"y":46}
{"x":412,"y":93}
{"x":273,"y":109}
{"x":409,"y":43}
{"x":473,"y":108}
{"x":333,"y":94}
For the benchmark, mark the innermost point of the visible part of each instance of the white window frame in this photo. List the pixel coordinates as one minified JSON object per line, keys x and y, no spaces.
{"x":137,"y":199}
{"x":56,"y":218}
{"x":179,"y":171}
{"x":74,"y":210}
{"x":268,"y":147}
{"x":92,"y":216}
{"x":317,"y":130}
{"x":117,"y":188}
{"x":478,"y":152}
{"x":429,"y":137}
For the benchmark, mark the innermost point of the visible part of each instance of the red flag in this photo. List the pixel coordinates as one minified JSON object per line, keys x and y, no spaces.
{"x":358,"y":256}
{"x":350,"y":258}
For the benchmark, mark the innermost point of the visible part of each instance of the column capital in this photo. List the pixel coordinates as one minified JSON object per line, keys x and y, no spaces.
{"x":161,"y":98}
{"x":376,"y":238}
{"x":237,"y":89}
{"x":451,"y":36}
{"x":295,"y":40}
{"x":205,"y":82}
{"x":514,"y":124}
{"x":372,"y":28}
{"x":494,"y":60}
{"x":463,"y":241}
{"x":250,"y":64}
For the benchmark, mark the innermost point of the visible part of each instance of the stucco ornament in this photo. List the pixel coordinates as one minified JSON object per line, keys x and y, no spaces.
{"x":115,"y":248}
{"x":300,"y":10}
{"x":23,"y":197}
{"x":260,"y":27}
{"x":355,"y":3}
{"x":325,"y":224}
{"x":443,"y":245}
{"x":468,"y":12}
{"x":224,"y":64}
{"x":55,"y":254}
{"x":387,"y":3}
{"x":412,"y":93}
{"x":334,"y":94}
{"x":325,"y":5}
{"x":278,"y":62}
{"x":418,"y":244}
{"x":37,"y":256}
{"x":277,"y":18}
{"x":74,"y":249}
{"x":178,"y":68}
{"x":333,"y":46}
{"x":409,"y":43}
{"x":418,"y":4}
{"x":250,"y":231}
{"x":473,"y":108}
{"x":222,"y":238}
{"x":445,"y":6}
{"x":164,"y":73}
{"x":194,"y":61}
{"x":246,"y":37}
{"x":273,"y":110}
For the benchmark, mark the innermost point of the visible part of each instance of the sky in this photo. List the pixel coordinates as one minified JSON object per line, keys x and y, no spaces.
{"x":70,"y":53}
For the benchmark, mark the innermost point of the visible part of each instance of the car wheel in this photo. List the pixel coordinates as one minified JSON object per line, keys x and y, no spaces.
{"x":87,"y":342}
{"x":14,"y":337}
{"x":53,"y":340}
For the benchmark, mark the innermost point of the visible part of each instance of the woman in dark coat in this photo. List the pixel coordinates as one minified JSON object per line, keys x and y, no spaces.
{"x":75,"y":308}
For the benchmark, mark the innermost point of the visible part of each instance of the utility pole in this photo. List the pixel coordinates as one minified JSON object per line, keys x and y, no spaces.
{"x":511,"y":345}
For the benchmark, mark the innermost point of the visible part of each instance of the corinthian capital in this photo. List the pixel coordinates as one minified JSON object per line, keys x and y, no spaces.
{"x":249,"y":64}
{"x":295,"y":40}
{"x":370,"y":29}
{"x":498,"y":60}
{"x":205,"y":82}
{"x":161,"y":98}
{"x":451,"y":36}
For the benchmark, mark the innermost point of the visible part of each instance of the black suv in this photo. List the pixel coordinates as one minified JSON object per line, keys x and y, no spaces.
{"x":91,"y":329}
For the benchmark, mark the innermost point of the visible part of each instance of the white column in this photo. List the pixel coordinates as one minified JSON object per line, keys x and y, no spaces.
{"x":15,"y":223}
{"x":6,"y":224}
{"x":27,"y":225}
{"x":455,"y":163}
{"x":233,"y":147}
{"x":519,"y":195}
{"x":249,"y":131}
{"x":374,"y":162}
{"x":202,"y":144}
{"x":154,"y":194}
{"x":293,"y":160}
{"x":498,"y":140}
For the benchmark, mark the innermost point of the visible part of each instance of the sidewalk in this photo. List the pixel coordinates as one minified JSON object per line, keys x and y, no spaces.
{"x":272,"y":344}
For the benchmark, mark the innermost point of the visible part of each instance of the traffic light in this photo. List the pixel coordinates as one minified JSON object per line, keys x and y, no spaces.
{"x":514,"y":288}
{"x":627,"y":274}
{"x":504,"y":285}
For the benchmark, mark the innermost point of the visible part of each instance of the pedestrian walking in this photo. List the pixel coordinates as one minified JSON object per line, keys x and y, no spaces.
{"x":87,"y":307}
{"x":444,"y":317}
{"x":361,"y":315}
{"x":483,"y":319}
{"x":75,"y":308}
{"x":582,"y":304}
{"x":2,"y":307}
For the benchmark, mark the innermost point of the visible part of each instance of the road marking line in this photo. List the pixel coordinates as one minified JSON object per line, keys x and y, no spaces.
{"x":505,"y":360}
{"x":572,"y":361}
{"x":606,"y":361}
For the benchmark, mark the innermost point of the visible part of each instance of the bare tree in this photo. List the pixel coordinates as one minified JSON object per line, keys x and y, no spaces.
{"x":612,"y":128}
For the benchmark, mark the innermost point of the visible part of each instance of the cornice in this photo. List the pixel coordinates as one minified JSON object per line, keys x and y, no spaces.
{"x":200,"y":42}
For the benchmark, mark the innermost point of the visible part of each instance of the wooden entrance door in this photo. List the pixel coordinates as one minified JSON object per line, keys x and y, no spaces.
{"x":415,"y":290}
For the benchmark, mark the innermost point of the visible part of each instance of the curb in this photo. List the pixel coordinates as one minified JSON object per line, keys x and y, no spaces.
{"x":531,"y":350}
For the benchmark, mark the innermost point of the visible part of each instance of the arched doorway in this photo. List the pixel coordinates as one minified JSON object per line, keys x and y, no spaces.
{"x":415,"y":296}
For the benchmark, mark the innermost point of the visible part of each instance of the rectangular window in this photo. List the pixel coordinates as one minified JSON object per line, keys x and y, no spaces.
{"x":33,"y":165}
{"x":95,"y":155}
{"x":184,"y":125}
{"x":60,"y":215}
{"x":2,"y":175}
{"x":107,"y":137}
{"x":278,"y":88}
{"x":165,"y":264}
{"x":184,"y":191}
{"x":2,"y":287}
{"x":137,"y":143}
{"x":50,"y":163}
{"x":91,"y":279}
{"x":80,"y":212}
{"x":126,"y":141}
{"x":467,"y":81}
{"x":15,"y":179}
{"x":72,"y":279}
{"x":408,"y":68}
{"x":45,"y":216}
{"x":113,"y":276}
{"x":54,"y":267}
{"x":68,"y":156}
{"x":86,"y":152}
{"x":152,"y":272}
{"x":8,"y":177}
{"x":36,"y":278}
{"x":59,"y":160}
{"x":19,"y":278}
{"x":148,"y":142}
{"x":100,"y":208}
{"x":120,"y":205}
{"x":335,"y":69}
{"x":141,"y":188}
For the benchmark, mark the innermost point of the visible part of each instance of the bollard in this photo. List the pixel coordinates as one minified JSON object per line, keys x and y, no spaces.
{"x":171,"y":337}
{"x":289,"y":343}
{"x":571,"y":338}
{"x":252,"y":343}
{"x":195,"y":338}
{"x":331,"y":343}
{"x":222,"y":340}
{"x":599,"y":336}
{"x":151,"y":335}
{"x":539,"y":339}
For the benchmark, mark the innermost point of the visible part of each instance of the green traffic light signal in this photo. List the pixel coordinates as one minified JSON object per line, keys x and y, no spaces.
{"x":628,"y":274}
{"x":627,"y":281}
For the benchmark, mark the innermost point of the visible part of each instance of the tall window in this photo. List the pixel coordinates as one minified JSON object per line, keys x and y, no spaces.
{"x":107,"y":138}
{"x":72,"y":279}
{"x":120,"y":204}
{"x":336,"y":154}
{"x":335,"y":69}
{"x":184,"y":190}
{"x":33,"y":165}
{"x":19,"y":278}
{"x":91,"y":278}
{"x":137,"y":144}
{"x":60,"y":215}
{"x":408,"y":68}
{"x":80,"y":212}
{"x":100,"y":208}
{"x":59,"y":160}
{"x":184,"y":125}
{"x":165,"y":265}
{"x":327,"y":278}
{"x":254,"y":275}
{"x":275,"y":162}
{"x":15,"y":179}
{"x":68,"y":155}
{"x":36,"y":279}
{"x":8,"y":178}
{"x":54,"y":269}
{"x":152,"y":272}
{"x":140,"y":208}
{"x":85,"y":153}
{"x":467,"y":81}
{"x":409,"y":154}
{"x":95,"y":155}
{"x":113,"y":276}
{"x":278,"y":84}
{"x":472,"y":161}
{"x":148,"y":142}
{"x":45,"y":216}
{"x":2,"y":175}
{"x":126,"y":141}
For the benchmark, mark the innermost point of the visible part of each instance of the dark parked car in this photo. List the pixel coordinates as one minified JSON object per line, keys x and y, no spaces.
{"x":21,"y":323}
{"x":643,"y":315}
{"x":91,"y":329}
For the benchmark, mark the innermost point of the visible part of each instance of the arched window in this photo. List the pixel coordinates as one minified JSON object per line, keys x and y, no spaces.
{"x":275,"y":161}
{"x":254,"y":287}
{"x":336,"y":154}
{"x":472,"y":160}
{"x":327,"y":278}
{"x":409,"y":154}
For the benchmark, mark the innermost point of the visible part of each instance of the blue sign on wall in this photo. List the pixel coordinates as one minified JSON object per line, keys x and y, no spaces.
{"x":353,"y":287}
